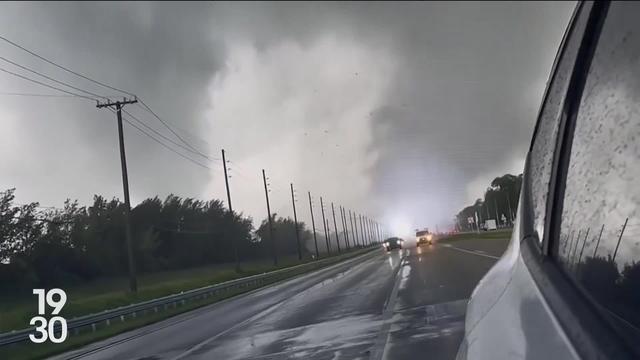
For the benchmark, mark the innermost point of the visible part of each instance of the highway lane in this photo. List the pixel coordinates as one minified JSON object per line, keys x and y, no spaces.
{"x":401,"y":305}
{"x":435,"y":283}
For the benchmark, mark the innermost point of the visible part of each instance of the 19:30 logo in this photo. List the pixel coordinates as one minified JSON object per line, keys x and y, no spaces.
{"x":46,"y":329}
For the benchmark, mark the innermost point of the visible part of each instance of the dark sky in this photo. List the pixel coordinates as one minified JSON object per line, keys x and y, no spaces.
{"x":402,"y":111}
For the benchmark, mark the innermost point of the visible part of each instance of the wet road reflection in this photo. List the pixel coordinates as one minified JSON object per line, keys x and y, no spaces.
{"x":398,"y":305}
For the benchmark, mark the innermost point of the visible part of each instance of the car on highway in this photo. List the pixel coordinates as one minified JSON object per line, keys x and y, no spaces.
{"x":393,"y":243}
{"x":424,"y":237}
{"x":568,"y":285}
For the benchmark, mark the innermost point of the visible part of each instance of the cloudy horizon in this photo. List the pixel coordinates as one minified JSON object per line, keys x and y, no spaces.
{"x":402,"y":111}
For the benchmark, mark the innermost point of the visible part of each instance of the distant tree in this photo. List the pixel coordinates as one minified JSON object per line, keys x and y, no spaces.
{"x":75,"y":243}
{"x":630,"y":284}
{"x":284,"y":233}
{"x":500,"y":198}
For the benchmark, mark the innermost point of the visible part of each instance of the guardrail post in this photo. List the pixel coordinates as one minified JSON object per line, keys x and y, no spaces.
{"x":93,"y":327}
{"x":108,"y":322}
{"x":121,"y":318}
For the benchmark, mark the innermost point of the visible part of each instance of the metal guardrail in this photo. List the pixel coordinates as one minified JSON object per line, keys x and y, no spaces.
{"x":154,"y":305}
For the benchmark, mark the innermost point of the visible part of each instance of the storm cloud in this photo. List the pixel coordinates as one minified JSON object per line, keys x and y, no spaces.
{"x":403,"y":111}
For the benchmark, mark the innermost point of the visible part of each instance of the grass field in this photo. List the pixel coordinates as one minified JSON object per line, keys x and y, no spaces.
{"x":107,"y":292}
{"x":496,"y":234}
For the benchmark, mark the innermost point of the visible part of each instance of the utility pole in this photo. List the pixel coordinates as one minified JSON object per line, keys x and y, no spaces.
{"x":328,"y":231}
{"x":495,"y":203}
{"x":272,"y":238}
{"x":295,"y":219}
{"x":355,"y":233}
{"x":133,"y":282}
{"x":226,"y":182}
{"x":313,"y":224}
{"x":368,"y":230}
{"x":615,"y":252}
{"x":350,"y":237}
{"x":335,"y":226}
{"x":373,"y":237}
{"x":324,"y":223}
{"x":345,"y":228}
{"x":362,"y":231}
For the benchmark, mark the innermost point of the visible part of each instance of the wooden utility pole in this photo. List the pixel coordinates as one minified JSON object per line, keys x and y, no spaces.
{"x":345,"y":228}
{"x":335,"y":226}
{"x":272,"y":238}
{"x":133,"y":282}
{"x":226,"y":183}
{"x":295,"y":219}
{"x":313,"y":224}
{"x":364,"y":238}
{"x":356,"y":228}
{"x":324,"y":223}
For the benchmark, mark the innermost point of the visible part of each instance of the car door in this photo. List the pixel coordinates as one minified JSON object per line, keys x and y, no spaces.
{"x":588,"y":266}
{"x":539,"y":300}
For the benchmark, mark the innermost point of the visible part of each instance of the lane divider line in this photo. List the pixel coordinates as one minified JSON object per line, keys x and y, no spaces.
{"x":383,"y":337}
{"x":472,"y":252}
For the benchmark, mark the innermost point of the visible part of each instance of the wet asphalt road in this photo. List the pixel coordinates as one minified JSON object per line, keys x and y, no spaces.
{"x":407,"y":304}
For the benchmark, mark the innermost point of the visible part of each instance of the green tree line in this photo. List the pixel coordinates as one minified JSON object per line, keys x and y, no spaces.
{"x":500,"y":199}
{"x":75,"y":244}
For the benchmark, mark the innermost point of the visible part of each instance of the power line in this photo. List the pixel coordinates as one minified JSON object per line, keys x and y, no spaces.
{"x":165,"y":137}
{"x":47,"y":85}
{"x":35,"y":95}
{"x":166,"y":146}
{"x":163,"y":144}
{"x":93,"y":99}
{"x":145,"y":106}
{"x":62,"y":67}
{"x":51,"y":79}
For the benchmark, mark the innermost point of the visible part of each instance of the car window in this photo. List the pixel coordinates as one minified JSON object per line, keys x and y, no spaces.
{"x":599,"y":240}
{"x":544,"y":142}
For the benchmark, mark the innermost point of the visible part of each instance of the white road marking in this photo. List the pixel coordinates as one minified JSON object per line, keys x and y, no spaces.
{"x":380,"y":345}
{"x":472,"y":252}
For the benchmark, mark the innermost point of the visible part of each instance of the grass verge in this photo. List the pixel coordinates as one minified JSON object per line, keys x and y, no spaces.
{"x":496,"y":234}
